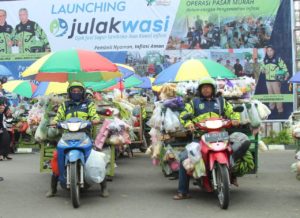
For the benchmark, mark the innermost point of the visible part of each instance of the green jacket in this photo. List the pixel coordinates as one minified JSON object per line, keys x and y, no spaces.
{"x":32,"y":37}
{"x":85,"y":110}
{"x":273,"y":65}
{"x":202,"y":109}
{"x":6,"y":35}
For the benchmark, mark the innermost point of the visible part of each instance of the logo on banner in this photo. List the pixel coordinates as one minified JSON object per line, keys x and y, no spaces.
{"x":58,"y":27}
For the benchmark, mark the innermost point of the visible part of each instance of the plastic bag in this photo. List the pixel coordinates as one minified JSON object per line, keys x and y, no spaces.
{"x":41,"y":132}
{"x":193,"y":151}
{"x":156,"y":118}
{"x":263,"y":110}
{"x":171,"y":121}
{"x":245,"y":119}
{"x":94,"y":168}
{"x":188,"y":165}
{"x":199,"y":169}
{"x":255,"y":120}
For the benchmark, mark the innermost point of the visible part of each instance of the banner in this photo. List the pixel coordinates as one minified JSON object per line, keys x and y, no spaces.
{"x":150,"y":35}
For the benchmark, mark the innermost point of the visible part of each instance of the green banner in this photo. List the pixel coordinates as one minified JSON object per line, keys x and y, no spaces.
{"x":287,"y":98}
{"x":228,"y":8}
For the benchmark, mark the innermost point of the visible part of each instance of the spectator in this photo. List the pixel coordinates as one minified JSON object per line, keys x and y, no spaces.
{"x":238,"y":68}
{"x":228,"y":66}
{"x":4,"y":136}
{"x":6,"y":34}
{"x":26,"y":34}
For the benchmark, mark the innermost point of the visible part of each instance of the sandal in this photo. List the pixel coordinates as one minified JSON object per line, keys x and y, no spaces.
{"x":180,"y":196}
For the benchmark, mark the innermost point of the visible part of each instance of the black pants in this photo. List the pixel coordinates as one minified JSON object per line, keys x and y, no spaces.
{"x":4,"y":143}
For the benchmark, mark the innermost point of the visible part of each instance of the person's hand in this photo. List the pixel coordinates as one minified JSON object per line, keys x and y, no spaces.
{"x":235,"y":122}
{"x":53,"y":124}
{"x":191,"y":127}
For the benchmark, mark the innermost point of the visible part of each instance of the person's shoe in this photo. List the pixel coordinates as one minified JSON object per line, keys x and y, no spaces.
{"x":234,"y":182}
{"x":7,"y":158}
{"x":104,"y":190}
{"x":180,"y":196}
{"x":50,"y":194}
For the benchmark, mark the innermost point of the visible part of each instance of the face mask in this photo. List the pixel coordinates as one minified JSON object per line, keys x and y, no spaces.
{"x":76,"y":96}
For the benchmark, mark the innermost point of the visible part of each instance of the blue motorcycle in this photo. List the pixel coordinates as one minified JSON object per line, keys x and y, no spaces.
{"x":73,"y":150}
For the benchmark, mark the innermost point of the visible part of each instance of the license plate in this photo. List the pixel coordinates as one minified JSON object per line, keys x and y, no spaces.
{"x":216,"y":137}
{"x":73,"y":136}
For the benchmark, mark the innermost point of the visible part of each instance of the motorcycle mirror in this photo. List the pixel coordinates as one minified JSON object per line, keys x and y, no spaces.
{"x":239,"y":109}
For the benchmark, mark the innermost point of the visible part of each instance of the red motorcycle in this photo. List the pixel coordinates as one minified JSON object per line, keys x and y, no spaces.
{"x":216,"y":151}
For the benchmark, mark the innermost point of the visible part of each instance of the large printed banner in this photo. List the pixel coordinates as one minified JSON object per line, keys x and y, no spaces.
{"x":250,"y":37}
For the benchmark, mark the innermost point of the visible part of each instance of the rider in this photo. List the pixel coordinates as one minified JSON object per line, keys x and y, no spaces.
{"x":206,"y":105}
{"x":76,"y":106}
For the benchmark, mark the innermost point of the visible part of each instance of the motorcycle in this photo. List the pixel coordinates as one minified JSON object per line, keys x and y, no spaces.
{"x":216,"y":153}
{"x":73,"y":150}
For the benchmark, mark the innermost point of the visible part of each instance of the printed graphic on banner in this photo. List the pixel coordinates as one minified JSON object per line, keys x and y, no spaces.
{"x":223,"y":24}
{"x":94,"y":25}
{"x":154,"y":34}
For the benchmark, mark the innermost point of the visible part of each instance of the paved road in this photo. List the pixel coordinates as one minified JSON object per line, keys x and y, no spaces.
{"x":140,"y":190}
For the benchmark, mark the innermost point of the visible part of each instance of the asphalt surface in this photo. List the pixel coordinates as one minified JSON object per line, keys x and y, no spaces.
{"x":140,"y":190}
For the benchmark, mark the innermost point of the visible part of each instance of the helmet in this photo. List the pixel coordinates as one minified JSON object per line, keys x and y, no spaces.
{"x":89,"y":92}
{"x":76,"y":84}
{"x":208,"y":81}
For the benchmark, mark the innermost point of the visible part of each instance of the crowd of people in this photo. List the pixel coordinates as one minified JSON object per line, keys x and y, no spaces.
{"x":245,"y":33}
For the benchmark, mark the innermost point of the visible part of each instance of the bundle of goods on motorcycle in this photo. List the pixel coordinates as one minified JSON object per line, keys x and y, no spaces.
{"x":194,"y":164}
{"x":95,"y":167}
{"x":165,"y":116}
{"x":116,"y":131}
{"x":46,"y":155}
{"x":187,"y":89}
{"x":242,"y":158}
{"x":43,"y":132}
{"x":243,"y":87}
{"x":156,"y":145}
{"x":295,"y":167}
{"x":254,"y":113}
{"x":169,"y":160}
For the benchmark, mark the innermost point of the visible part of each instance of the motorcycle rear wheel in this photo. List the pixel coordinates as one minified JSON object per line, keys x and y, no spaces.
{"x":222,"y":178}
{"x":74,"y":184}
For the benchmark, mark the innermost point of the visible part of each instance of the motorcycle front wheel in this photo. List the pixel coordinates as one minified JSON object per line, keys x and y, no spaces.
{"x":74,"y":184}
{"x":222,"y":178}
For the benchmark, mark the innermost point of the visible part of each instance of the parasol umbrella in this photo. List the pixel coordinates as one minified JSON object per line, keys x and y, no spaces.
{"x":129,"y":82}
{"x":193,"y":69}
{"x":24,"y":88}
{"x":48,"y":88}
{"x":126,"y":70}
{"x":4,"y":71}
{"x":147,"y":84}
{"x":73,"y":64}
